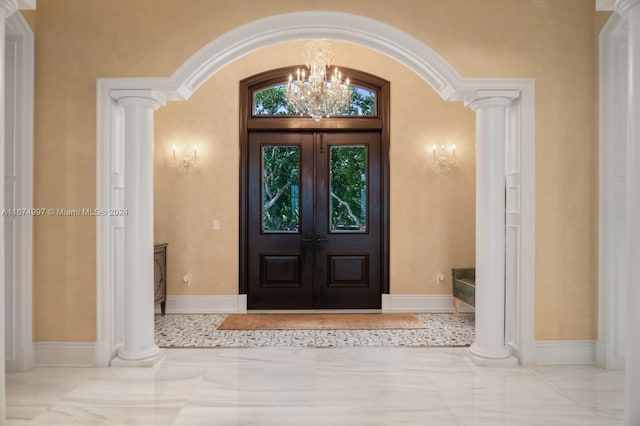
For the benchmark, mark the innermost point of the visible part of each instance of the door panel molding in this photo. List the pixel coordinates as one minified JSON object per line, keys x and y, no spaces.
{"x":19,"y":71}
{"x":280,"y":271}
{"x":348,"y":270}
{"x":612,"y":259}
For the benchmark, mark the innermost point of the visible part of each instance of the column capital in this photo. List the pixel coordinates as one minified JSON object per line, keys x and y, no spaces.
{"x":623,"y":7}
{"x":491,"y":98}
{"x":151,"y":99}
{"x":9,"y":7}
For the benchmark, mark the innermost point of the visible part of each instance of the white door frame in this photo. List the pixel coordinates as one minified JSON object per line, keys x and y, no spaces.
{"x":19,"y":354}
{"x":366,"y":32}
{"x":612,"y":282}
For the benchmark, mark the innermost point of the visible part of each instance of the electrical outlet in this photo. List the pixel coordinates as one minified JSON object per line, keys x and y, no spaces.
{"x":440,"y":278}
{"x":216,"y":224}
{"x":186,"y":279}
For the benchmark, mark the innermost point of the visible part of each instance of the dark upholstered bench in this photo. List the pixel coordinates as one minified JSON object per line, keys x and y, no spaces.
{"x":464,"y":287}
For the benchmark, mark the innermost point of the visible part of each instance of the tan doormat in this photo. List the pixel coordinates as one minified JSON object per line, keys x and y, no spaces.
{"x":320,"y":322}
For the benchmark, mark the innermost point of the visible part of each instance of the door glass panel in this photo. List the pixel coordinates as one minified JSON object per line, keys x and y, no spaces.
{"x":280,"y":188}
{"x":348,"y":188}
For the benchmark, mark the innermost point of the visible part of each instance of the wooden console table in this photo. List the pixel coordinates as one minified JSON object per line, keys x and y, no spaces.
{"x":464,"y":287}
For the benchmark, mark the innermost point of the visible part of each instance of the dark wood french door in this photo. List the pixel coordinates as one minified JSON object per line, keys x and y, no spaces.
{"x":314,"y":219}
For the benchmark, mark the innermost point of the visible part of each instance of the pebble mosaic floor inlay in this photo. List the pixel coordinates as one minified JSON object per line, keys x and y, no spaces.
{"x":199,"y":331}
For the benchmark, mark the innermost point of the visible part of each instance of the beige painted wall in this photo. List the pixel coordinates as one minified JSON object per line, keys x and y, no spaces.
{"x":432,"y":214}
{"x":78,"y":41}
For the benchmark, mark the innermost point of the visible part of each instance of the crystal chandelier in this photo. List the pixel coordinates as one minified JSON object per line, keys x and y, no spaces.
{"x":315,"y":94}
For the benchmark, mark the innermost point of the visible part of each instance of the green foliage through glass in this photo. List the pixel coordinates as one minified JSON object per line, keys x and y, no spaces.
{"x":348,"y":191}
{"x":272,"y":101}
{"x":280,"y":186}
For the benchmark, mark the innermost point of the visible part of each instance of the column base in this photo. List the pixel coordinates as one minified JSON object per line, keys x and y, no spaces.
{"x":486,"y":359}
{"x":146,"y":362}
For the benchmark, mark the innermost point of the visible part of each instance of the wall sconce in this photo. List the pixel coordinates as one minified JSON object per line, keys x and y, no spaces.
{"x":443,"y":157}
{"x":185,"y":158}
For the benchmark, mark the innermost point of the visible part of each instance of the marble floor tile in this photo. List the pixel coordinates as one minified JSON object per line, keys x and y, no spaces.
{"x":312,"y":416}
{"x":33,"y":392}
{"x":111,"y":415}
{"x":342,"y":385}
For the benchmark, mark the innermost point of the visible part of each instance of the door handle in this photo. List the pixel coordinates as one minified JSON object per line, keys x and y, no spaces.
{"x":306,"y":239}
{"x":319,"y":240}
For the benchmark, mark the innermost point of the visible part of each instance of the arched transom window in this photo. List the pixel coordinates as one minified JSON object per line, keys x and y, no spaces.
{"x":272,"y":101}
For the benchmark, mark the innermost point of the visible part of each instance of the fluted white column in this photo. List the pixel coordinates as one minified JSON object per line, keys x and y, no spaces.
{"x":491,"y":125}
{"x":631,"y":10}
{"x":139,"y":346}
{"x":7,"y":8}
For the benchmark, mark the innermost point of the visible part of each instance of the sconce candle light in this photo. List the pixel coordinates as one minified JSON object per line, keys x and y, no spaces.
{"x":443,"y":157}
{"x":185,"y":158}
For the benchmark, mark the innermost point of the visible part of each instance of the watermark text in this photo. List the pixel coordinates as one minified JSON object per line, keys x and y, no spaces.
{"x":63,"y":212}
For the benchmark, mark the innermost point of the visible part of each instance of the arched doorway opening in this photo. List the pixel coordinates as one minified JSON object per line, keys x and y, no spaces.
{"x":505,"y":127}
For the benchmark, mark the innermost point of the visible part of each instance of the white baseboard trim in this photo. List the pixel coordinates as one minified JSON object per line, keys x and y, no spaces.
{"x":601,"y":354}
{"x":608,"y":357}
{"x":225,"y":304}
{"x":565,"y":352}
{"x":24,"y":361}
{"x":65,"y":354}
{"x":430,"y":303}
{"x":28,"y":356}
